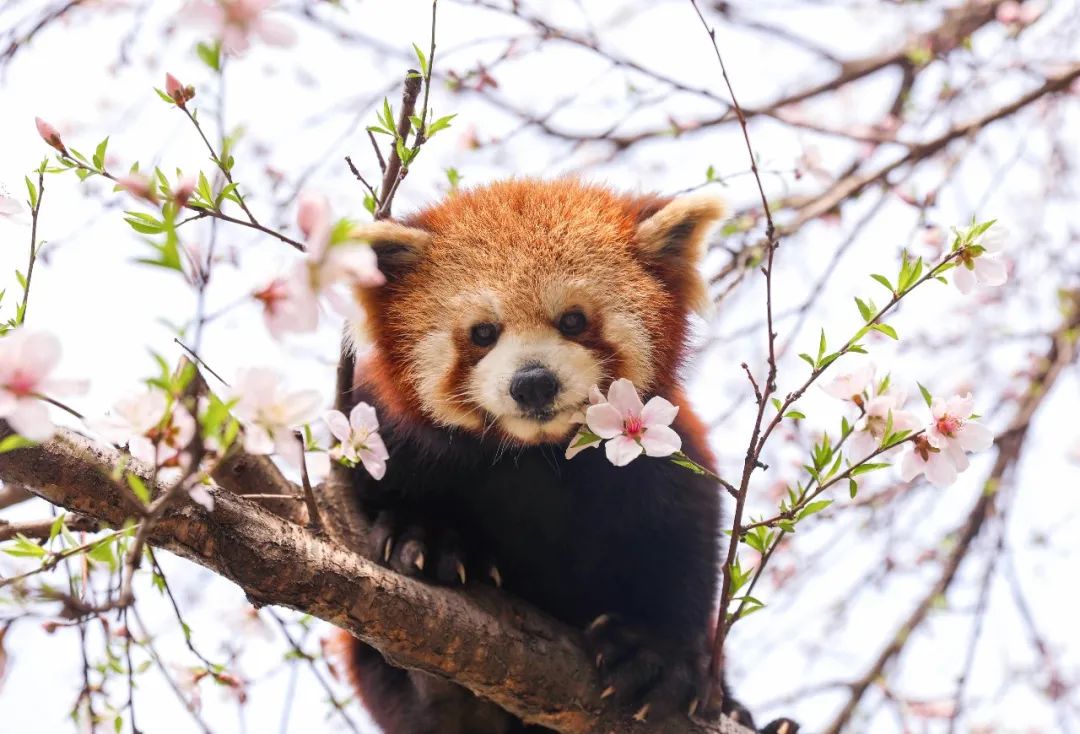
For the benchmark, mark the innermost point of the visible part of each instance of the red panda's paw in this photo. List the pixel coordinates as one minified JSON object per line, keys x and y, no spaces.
{"x":437,"y":556}
{"x":649,"y":680}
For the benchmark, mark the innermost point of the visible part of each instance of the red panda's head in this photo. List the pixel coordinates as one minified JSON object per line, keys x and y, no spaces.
{"x":505,"y":303}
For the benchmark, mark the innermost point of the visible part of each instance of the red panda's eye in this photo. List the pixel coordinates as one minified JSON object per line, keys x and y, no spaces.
{"x":572,"y":323}
{"x":484,"y":335}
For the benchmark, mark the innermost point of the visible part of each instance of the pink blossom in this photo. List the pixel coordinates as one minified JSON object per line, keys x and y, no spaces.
{"x":631,"y":428}
{"x":360,"y":440}
{"x":987,"y":268}
{"x":584,"y":438}
{"x":50,"y":135}
{"x":27,"y":358}
{"x":851,"y":385}
{"x":139,"y":186}
{"x":329,"y":270}
{"x":234,"y":22}
{"x":154,"y":432}
{"x":9,"y":206}
{"x":953,"y":432}
{"x":183,"y":191}
{"x":869,"y":431}
{"x":269,"y":414}
{"x":923,"y":458}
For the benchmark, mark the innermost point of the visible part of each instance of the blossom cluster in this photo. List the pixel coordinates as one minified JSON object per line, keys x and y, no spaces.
{"x":335,"y":263}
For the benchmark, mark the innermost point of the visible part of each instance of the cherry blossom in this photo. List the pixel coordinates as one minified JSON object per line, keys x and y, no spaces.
{"x":153,"y":433}
{"x":329,"y":270}
{"x":986,"y":268}
{"x":940,"y":452}
{"x":50,"y":135}
{"x":922,"y":458}
{"x":234,"y":22}
{"x":631,"y":428}
{"x":584,"y":438}
{"x":269,"y":414}
{"x":869,"y":431}
{"x":953,"y":432}
{"x":9,"y":206}
{"x":139,"y":186}
{"x":27,"y":358}
{"x":183,"y":191}
{"x":360,"y":440}
{"x":851,"y":385}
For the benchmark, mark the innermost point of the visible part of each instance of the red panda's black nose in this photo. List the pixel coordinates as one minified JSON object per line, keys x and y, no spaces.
{"x":534,"y":388}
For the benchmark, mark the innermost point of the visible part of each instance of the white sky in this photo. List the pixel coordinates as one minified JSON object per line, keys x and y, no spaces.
{"x":303,"y":109}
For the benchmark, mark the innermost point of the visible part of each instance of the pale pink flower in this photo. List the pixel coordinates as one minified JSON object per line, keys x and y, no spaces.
{"x":631,"y":428}
{"x":269,"y":414}
{"x":27,"y":358}
{"x":922,"y":458}
{"x":869,"y":431}
{"x":50,"y":135}
{"x":987,"y":269}
{"x":289,"y":304}
{"x":200,"y":495}
{"x":154,"y":432}
{"x":360,"y":439}
{"x":581,"y":439}
{"x":183,"y":191}
{"x":9,"y":206}
{"x":139,"y":186}
{"x":850,"y":385}
{"x":234,"y":22}
{"x":954,"y":433}
{"x":328,"y":271}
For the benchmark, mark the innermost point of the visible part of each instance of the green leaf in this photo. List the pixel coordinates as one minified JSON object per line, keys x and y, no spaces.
{"x":32,"y":190}
{"x":864,"y":309}
{"x":54,"y":529}
{"x":867,"y":468}
{"x":813,"y":508}
{"x":853,"y":488}
{"x":682,"y":460}
{"x":710,"y":174}
{"x":795,"y":415}
{"x":210,"y":53}
{"x":809,"y":360}
{"x":821,"y":347}
{"x":138,"y":486}
{"x":23,"y":547}
{"x":441,"y":124}
{"x":926,"y":396}
{"x":422,"y":59}
{"x":886,"y":330}
{"x":99,"y":154}
{"x":15,"y":441}
{"x":884,"y":281}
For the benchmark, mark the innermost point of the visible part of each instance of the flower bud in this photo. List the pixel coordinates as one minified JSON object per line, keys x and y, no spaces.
{"x":50,"y":135}
{"x":183,"y":191}
{"x":177,"y":91}
{"x":138,"y":186}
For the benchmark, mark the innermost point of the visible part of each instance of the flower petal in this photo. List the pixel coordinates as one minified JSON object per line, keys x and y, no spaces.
{"x":940,"y":471}
{"x":338,"y":424}
{"x":974,"y":436}
{"x":257,"y":440}
{"x":623,"y":396}
{"x":31,"y":420}
{"x":658,"y":412}
{"x":364,"y":418}
{"x":604,"y":420}
{"x":964,"y":279}
{"x":621,"y":450}
{"x":991,"y":271}
{"x":660,"y":441}
{"x":375,"y":466}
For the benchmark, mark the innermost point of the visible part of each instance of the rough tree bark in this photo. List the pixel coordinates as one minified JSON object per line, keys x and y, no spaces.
{"x":497,"y":647}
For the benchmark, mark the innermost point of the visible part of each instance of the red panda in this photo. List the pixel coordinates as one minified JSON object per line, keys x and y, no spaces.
{"x":503,"y":305}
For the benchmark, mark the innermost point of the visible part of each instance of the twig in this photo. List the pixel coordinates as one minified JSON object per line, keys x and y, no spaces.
{"x":34,"y":210}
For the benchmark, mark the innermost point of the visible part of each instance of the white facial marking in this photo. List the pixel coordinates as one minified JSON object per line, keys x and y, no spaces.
{"x":576,"y":368}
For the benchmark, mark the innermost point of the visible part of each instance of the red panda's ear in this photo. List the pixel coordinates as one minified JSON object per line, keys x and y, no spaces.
{"x":396,"y":246}
{"x":672,"y":240}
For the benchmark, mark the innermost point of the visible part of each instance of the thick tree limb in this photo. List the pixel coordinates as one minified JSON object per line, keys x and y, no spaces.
{"x":497,"y":647}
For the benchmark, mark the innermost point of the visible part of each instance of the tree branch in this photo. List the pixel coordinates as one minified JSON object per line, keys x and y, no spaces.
{"x":495,"y":646}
